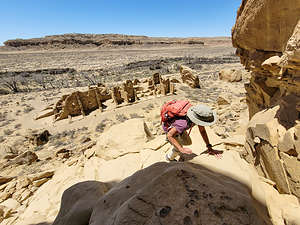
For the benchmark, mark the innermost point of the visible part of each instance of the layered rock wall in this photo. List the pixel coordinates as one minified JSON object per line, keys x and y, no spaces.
{"x":267,"y":38}
{"x":265,"y":29}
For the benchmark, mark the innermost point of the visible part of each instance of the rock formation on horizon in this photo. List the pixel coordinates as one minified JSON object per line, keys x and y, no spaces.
{"x":75,"y":40}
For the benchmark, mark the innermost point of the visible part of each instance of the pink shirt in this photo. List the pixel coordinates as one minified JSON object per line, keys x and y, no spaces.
{"x":181,"y":125}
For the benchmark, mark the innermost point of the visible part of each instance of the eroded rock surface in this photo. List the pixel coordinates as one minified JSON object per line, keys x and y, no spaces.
{"x":266,"y":35}
{"x":189,"y":77}
{"x":267,"y":30}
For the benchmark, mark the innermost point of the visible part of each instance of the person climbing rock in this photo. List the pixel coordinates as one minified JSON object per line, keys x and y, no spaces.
{"x":180,"y":116}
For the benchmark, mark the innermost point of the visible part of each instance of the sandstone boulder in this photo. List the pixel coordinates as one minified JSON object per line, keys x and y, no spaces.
{"x":151,"y":196}
{"x":113,"y":143}
{"x":189,"y":77}
{"x":4,"y":180}
{"x":8,"y":152}
{"x":26,"y":158}
{"x":78,"y":202}
{"x":275,"y":155}
{"x":40,"y":138}
{"x":231,"y":75}
{"x":258,"y":23}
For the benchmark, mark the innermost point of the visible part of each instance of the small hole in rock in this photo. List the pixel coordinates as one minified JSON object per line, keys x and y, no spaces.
{"x":165,"y":211}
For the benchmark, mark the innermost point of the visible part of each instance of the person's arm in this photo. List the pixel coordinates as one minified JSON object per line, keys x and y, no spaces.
{"x":210,"y":150}
{"x":171,"y":134}
{"x":204,"y":136}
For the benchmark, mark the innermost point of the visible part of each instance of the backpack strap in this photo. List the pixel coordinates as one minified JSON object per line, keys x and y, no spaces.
{"x":190,"y":130}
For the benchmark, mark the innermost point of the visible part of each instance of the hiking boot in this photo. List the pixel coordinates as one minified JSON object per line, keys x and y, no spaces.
{"x":169,"y":160}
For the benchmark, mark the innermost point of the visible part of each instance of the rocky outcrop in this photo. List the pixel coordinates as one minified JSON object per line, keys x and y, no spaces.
{"x":151,"y":196}
{"x":111,"y":143}
{"x":232,"y":75}
{"x":189,"y":77}
{"x":273,"y":146}
{"x":40,"y":138}
{"x":267,"y":38}
{"x":84,"y":102}
{"x":96,"y":40}
{"x":78,"y":202}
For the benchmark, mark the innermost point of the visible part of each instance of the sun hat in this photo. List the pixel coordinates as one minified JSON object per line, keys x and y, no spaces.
{"x":202,"y":115}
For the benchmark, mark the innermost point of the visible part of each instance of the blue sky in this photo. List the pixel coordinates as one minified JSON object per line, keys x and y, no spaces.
{"x":167,"y":18}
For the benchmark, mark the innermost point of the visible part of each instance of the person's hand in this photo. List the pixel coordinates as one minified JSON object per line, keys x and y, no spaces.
{"x":186,"y":151}
{"x":216,"y":153}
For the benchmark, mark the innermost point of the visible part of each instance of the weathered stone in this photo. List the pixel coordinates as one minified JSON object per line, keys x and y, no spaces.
{"x":89,"y":152}
{"x":4,"y":180}
{"x":271,"y":147}
{"x":230,"y":75}
{"x":38,"y":176}
{"x":220,"y":131}
{"x":63,"y":153}
{"x":4,"y":195}
{"x":38,"y":183}
{"x":78,"y":202}
{"x":189,"y":77}
{"x":174,"y":80}
{"x":4,"y":212}
{"x":223,"y":100}
{"x":24,"y":196}
{"x":132,"y":201}
{"x":11,"y":204}
{"x":272,"y":65}
{"x":6,"y":151}
{"x":292,"y":166}
{"x":22,"y":183}
{"x":40,"y":139}
{"x":109,"y":147}
{"x":26,"y":158}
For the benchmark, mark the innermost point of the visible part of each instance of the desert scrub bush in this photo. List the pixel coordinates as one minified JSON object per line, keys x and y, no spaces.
{"x":121,"y":118}
{"x":135,"y":115}
{"x":103,"y":124}
{"x":2,"y":139}
{"x":148,"y":107}
{"x":28,"y":109}
{"x":3,"y":103}
{"x":8,"y":131}
{"x":3,"y":116}
{"x":17,"y":126}
{"x":18,"y":112}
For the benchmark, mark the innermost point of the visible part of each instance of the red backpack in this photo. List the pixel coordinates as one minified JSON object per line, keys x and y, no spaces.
{"x":174,"y":108}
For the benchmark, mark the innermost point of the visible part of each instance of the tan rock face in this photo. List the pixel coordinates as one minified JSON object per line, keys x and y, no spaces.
{"x":189,"y":77}
{"x":267,"y":38}
{"x":276,"y":154}
{"x":265,"y":25}
{"x":266,"y":35}
{"x":161,"y":194}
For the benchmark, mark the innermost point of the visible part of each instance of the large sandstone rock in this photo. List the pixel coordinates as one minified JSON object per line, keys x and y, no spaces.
{"x":265,"y":25}
{"x":176,"y":194}
{"x":27,"y":157}
{"x":115,"y":142}
{"x":189,"y":77}
{"x":78,"y":202}
{"x":273,"y":146}
{"x":266,"y":35}
{"x":267,"y":38}
{"x":231,"y":75}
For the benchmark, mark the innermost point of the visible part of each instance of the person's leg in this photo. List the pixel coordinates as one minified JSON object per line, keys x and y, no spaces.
{"x":184,"y":139}
{"x":173,"y":152}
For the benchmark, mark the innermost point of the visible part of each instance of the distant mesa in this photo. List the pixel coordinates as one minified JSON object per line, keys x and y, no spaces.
{"x":97,"y":40}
